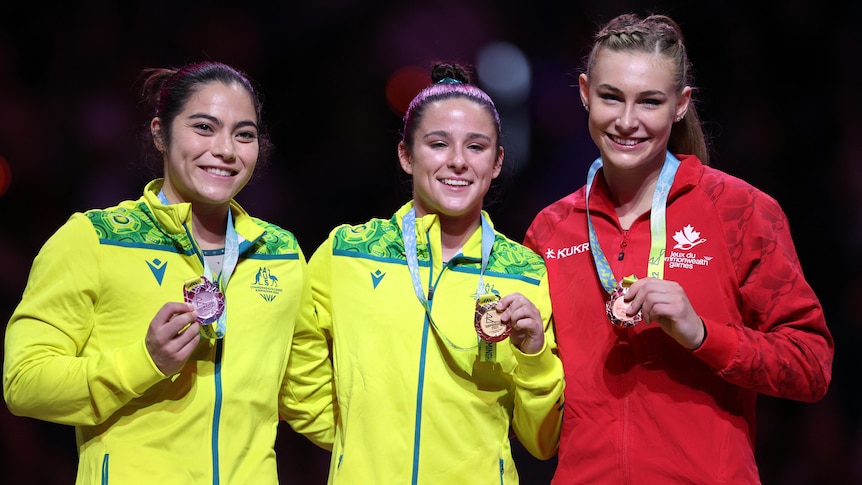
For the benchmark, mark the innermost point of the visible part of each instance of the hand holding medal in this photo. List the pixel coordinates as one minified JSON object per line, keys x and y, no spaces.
{"x":167,"y":341}
{"x":488,"y":321}
{"x":616,"y":307}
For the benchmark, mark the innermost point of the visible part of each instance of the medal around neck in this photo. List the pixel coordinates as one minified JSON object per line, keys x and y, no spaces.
{"x":616,"y":307}
{"x":208,"y":301}
{"x":489,"y":326}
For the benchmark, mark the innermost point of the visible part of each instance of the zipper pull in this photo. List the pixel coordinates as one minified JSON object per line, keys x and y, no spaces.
{"x":623,"y":245}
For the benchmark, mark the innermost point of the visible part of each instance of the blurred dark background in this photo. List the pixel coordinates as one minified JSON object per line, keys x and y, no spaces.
{"x":779,"y":92}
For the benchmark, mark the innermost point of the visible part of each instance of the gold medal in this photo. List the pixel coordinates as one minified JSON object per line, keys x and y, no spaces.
{"x":488,"y":324}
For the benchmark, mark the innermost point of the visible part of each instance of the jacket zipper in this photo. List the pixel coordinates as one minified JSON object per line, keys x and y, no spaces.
{"x":623,"y":244}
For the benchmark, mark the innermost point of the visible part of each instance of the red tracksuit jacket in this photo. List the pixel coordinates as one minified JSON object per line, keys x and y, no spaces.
{"x":640,"y":408}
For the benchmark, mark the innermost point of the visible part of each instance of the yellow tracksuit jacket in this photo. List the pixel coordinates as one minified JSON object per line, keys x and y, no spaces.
{"x":416,"y":403}
{"x":75,"y":352}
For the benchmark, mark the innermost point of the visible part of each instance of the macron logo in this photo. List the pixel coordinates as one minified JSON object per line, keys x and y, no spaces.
{"x":158,"y":268}
{"x":376,"y":277}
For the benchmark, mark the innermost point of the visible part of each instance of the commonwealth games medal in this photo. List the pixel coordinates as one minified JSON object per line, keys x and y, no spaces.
{"x":616,"y":307}
{"x":208,"y":301}
{"x":488,"y":324}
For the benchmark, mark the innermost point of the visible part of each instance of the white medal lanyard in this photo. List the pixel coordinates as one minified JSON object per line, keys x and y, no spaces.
{"x":408,"y":223}
{"x":231,"y":257}
{"x":658,"y":234}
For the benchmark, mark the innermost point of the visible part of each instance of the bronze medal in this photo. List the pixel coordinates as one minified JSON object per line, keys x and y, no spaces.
{"x":488,"y":324}
{"x":616,"y":309}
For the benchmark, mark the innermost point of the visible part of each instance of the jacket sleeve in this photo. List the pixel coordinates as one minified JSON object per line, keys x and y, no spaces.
{"x":48,"y":372}
{"x":320,"y":267}
{"x":539,"y":386}
{"x":782,"y":347}
{"x":308,"y":395}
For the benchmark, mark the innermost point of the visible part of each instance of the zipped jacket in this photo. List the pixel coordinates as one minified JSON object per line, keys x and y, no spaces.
{"x":418,"y":402}
{"x":640,"y":408}
{"x":75,"y":349}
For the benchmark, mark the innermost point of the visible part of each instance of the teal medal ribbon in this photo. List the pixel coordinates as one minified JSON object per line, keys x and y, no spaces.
{"x":408,"y":223}
{"x":658,"y":232}
{"x":218,"y":327}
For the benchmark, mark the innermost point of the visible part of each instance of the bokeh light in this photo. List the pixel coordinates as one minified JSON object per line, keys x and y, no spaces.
{"x":504,"y":72}
{"x":403,"y":85}
{"x":5,"y":175}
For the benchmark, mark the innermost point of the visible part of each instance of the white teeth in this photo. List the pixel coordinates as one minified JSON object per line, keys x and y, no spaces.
{"x":455,"y":182}
{"x":624,"y":141}
{"x":219,"y":171}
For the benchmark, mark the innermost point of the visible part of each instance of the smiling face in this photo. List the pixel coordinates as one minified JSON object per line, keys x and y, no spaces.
{"x":633,"y":103}
{"x":454,"y":157}
{"x":214,"y":146}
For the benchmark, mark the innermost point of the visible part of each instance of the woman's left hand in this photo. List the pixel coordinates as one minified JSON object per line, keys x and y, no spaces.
{"x":528,"y":332}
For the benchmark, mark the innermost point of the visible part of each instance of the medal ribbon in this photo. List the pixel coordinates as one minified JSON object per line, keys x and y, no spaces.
{"x":408,"y":223}
{"x":231,"y":257}
{"x":657,"y":222}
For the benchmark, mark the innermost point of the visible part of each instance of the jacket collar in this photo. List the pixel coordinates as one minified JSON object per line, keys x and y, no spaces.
{"x":173,"y":218}
{"x":689,"y":173}
{"x":428,"y":230}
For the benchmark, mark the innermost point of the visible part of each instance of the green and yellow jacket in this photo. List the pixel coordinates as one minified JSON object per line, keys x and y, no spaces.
{"x":75,"y":351}
{"x":417,"y":403}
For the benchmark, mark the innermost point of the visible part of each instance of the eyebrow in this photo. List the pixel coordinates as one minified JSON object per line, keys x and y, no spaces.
{"x":443,"y":133}
{"x":217,"y":121}
{"x":651,"y":92}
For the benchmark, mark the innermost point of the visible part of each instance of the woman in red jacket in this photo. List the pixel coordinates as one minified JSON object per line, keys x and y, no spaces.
{"x":676,"y":289}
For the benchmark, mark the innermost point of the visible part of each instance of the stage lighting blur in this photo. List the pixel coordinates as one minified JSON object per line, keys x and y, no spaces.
{"x":403,"y":85}
{"x":5,"y":175}
{"x":504,"y":72}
